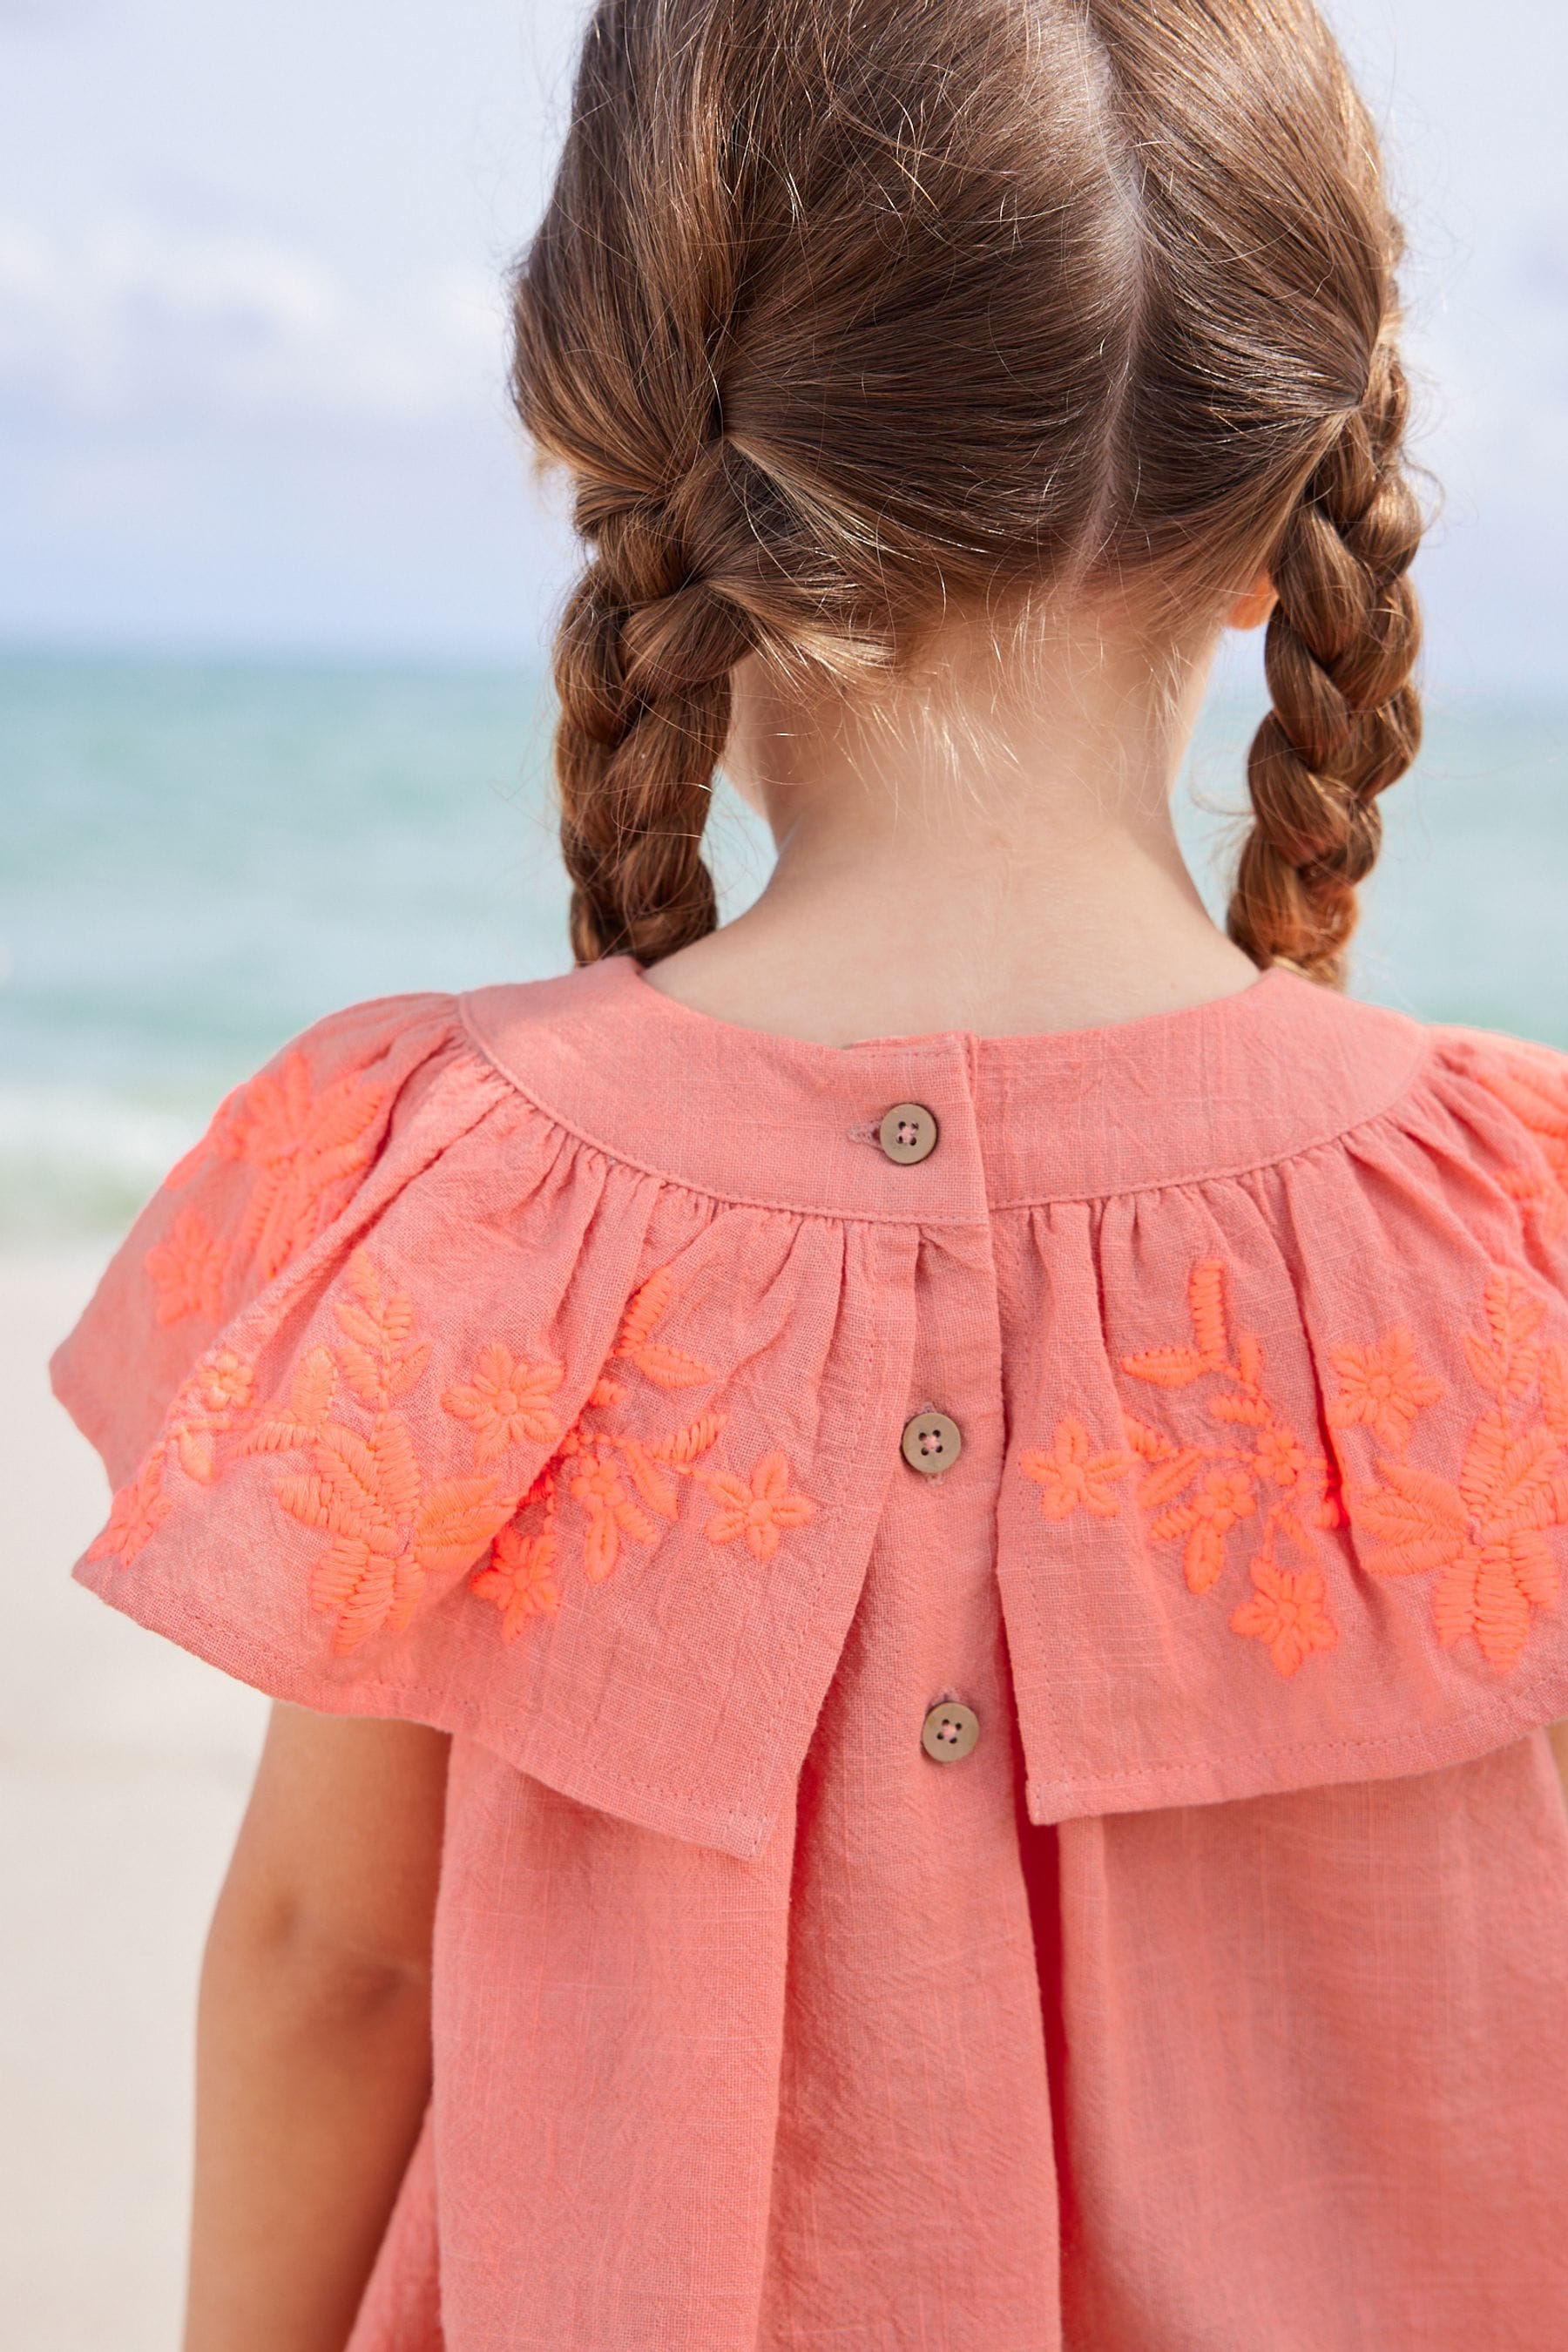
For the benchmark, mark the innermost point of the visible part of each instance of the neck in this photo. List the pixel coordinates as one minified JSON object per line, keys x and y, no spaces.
{"x":988,"y":846}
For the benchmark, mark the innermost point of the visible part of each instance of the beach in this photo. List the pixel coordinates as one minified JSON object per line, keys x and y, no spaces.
{"x":124,"y":1768}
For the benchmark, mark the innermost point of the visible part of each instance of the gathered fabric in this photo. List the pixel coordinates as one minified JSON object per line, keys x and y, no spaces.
{"x":553,"y":1366}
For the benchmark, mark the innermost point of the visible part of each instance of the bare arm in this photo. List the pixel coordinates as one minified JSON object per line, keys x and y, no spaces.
{"x":313,"y":2034}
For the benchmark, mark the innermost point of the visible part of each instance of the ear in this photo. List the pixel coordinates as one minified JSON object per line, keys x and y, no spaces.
{"x":1253,"y":608}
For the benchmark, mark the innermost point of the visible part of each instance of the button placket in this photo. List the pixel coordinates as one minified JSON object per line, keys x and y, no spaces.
{"x":931,"y":1441}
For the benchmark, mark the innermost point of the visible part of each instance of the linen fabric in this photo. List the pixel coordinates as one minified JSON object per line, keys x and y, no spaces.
{"x":534,"y":1365}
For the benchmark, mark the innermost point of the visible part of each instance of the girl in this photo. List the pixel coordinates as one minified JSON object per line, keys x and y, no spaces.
{"x":910,"y":1553}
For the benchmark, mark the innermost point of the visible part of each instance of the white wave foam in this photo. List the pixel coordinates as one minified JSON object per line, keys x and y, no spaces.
{"x":81,"y":1159}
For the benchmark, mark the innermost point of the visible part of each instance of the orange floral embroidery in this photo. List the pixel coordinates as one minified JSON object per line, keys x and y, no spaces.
{"x":137,"y":1513}
{"x":1199,"y":1493}
{"x":623,"y":1485}
{"x":302,"y":1144}
{"x":759,"y":1508}
{"x":1289,"y":1613}
{"x":214,"y":1401}
{"x":389,"y":1528}
{"x":1537,"y":1093}
{"x":1485,"y":1536}
{"x":520,"y":1579}
{"x":505,"y":1402}
{"x":1280,"y":1456}
{"x":1221,"y":1500}
{"x":599,"y":1486}
{"x":187,"y":1268}
{"x":665,"y":1366}
{"x":1069,"y":1473}
{"x":1383,"y":1387}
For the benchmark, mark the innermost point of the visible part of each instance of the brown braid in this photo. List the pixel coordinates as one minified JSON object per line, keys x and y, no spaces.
{"x":679,"y":591}
{"x":1346,"y":721}
{"x":642,"y":669}
{"x":634,"y":758}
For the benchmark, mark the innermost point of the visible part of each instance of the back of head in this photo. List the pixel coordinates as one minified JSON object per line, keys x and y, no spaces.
{"x":843,"y":316}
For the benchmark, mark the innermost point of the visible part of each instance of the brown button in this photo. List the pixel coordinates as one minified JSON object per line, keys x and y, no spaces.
{"x":931,"y":1443}
{"x":950,"y":1731}
{"x":908,"y":1134}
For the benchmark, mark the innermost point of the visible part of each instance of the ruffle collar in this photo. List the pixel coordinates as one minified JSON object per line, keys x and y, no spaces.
{"x":534,"y":1366}
{"x":749,"y":1116}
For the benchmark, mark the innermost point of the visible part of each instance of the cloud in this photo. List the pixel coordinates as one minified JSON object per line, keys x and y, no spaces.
{"x":138,"y":322}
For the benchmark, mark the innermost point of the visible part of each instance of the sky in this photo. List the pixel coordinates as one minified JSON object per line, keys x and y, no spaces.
{"x":252,"y":346}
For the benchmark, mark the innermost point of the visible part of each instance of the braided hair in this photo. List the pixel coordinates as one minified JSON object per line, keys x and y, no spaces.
{"x":643,"y":665}
{"x":1346,"y":719}
{"x":843,"y":318}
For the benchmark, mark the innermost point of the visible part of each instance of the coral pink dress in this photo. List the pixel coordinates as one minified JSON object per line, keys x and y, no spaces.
{"x":996,"y":1600}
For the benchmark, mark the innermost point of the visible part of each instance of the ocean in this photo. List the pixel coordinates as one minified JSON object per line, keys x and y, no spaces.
{"x":199,"y":858}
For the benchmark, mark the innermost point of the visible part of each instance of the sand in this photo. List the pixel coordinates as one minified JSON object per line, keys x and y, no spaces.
{"x":124,"y":1768}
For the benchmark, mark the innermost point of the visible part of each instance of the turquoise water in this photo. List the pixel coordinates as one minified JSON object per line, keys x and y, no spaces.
{"x":197,"y":859}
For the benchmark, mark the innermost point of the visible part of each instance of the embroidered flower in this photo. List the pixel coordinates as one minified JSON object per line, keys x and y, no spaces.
{"x":505,"y":1402}
{"x":214,"y":1400}
{"x":138,"y":1511}
{"x":624,"y":1485}
{"x":1198,"y":1489}
{"x":1536,"y":1092}
{"x":187,"y":1268}
{"x":1222,"y":1499}
{"x":600,"y":1488}
{"x":303,"y":1144}
{"x":1382,"y":1386}
{"x":1225,"y":1498}
{"x":599,"y":1484}
{"x":1289,"y":1613}
{"x":758,"y":1510}
{"x":1486,"y":1534}
{"x":1280,"y":1456}
{"x":520,"y":1579}
{"x":390,"y":1528}
{"x":1070,"y":1474}
{"x":219,"y":1382}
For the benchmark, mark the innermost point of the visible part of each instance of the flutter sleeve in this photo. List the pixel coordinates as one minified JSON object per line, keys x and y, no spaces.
{"x":330,"y":1122}
{"x":1289,"y":1506}
{"x":417,"y":1403}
